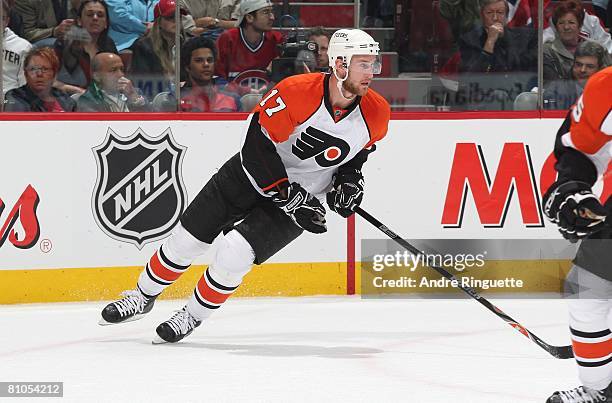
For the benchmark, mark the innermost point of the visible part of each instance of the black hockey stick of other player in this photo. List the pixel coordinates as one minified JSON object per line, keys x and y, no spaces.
{"x":562,"y":352}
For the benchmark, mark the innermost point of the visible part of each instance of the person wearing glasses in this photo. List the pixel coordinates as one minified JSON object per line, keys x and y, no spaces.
{"x":250,"y":46}
{"x":153,"y":55}
{"x":80,"y":44}
{"x":38,"y":94}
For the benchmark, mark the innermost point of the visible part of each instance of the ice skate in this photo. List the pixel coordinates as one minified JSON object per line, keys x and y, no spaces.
{"x":133,"y":306}
{"x":180,"y":325}
{"x":582,"y":394}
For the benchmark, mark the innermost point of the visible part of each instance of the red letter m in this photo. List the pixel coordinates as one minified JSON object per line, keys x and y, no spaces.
{"x":469,"y":172}
{"x":25,"y":211}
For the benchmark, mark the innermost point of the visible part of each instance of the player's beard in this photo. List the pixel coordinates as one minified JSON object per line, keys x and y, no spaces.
{"x":354,"y":88}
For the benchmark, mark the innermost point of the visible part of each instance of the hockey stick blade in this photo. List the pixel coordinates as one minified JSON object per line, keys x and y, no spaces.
{"x":561,"y":352}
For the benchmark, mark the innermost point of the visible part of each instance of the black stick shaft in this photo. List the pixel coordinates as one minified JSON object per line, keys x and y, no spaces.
{"x":562,"y":352}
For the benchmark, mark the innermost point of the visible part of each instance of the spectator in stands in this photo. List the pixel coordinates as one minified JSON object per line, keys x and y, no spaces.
{"x":200,"y":92}
{"x":110,"y":90}
{"x":379,"y":13}
{"x":589,"y":25}
{"x":153,"y":55}
{"x":209,"y":17}
{"x":46,"y":20}
{"x":16,"y":22}
{"x":81,"y":43}
{"x":499,"y":60}
{"x":601,"y":7}
{"x":462,"y":15}
{"x":250,"y":46}
{"x":589,"y":58}
{"x":38,"y":94}
{"x":15,"y":50}
{"x":494,"y":47}
{"x":559,"y":54}
{"x":129,"y":20}
{"x":321,"y":38}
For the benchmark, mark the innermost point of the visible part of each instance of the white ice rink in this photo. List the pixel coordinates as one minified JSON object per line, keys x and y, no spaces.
{"x":312,"y":349}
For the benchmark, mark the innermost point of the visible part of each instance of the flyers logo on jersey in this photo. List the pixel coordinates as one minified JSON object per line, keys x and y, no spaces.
{"x":327,"y":149}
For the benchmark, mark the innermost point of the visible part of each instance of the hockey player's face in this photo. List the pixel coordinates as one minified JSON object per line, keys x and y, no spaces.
{"x":359,"y":78}
{"x":201,"y":66}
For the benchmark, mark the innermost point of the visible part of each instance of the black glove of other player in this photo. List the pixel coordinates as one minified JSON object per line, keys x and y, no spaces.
{"x":305,"y":209}
{"x":575,"y":209}
{"x":347,"y":192}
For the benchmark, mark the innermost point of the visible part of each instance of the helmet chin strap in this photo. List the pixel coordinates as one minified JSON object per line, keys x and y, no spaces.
{"x":339,"y":85}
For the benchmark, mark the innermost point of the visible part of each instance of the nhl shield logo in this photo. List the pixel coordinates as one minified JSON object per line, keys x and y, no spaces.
{"x":139,"y":194}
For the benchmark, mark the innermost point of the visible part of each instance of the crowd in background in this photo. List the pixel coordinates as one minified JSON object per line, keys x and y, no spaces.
{"x":121,"y":55}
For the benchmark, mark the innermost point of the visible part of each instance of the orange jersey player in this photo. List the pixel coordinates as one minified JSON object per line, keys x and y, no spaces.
{"x":584,"y":149}
{"x":305,"y":144}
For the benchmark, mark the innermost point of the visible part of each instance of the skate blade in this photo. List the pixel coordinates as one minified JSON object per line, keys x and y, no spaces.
{"x":158,"y":340}
{"x":103,"y":322}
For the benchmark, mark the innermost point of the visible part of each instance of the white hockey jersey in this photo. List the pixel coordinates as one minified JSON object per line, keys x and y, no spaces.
{"x":311,"y":138}
{"x":14,"y":49}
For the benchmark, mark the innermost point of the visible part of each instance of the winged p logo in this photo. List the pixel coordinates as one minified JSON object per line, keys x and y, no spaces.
{"x":139,"y":194}
{"x":327,"y":149}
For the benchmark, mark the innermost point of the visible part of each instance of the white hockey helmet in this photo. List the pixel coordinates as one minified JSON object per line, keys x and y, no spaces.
{"x":346,"y":43}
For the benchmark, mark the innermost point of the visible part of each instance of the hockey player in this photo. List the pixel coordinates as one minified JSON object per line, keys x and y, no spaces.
{"x":307,"y":139}
{"x":583,"y":150}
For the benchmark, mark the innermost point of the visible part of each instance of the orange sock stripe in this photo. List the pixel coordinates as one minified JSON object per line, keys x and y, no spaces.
{"x":209,"y":294}
{"x":592,"y":350}
{"x":162,"y":271}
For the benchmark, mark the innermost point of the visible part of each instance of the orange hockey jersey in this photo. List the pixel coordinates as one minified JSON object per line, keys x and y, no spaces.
{"x":590,"y":130}
{"x":295,"y":135}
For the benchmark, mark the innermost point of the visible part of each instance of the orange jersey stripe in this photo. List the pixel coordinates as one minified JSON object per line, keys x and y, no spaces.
{"x":278,"y":182}
{"x":592,"y":350}
{"x":161,"y":271}
{"x":209,"y":294}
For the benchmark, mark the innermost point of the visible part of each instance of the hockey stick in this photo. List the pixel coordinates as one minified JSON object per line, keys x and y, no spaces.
{"x":562,"y":352}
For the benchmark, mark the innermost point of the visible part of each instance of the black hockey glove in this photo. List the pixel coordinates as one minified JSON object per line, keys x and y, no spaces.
{"x":305,"y":209}
{"x":347,"y":192}
{"x":575,"y":209}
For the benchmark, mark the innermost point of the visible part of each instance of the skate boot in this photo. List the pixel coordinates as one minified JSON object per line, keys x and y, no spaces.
{"x":582,"y":394}
{"x":132,"y":306}
{"x":181,"y":324}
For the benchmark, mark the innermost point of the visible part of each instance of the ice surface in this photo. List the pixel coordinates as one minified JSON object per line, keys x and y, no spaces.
{"x":310,"y":349}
